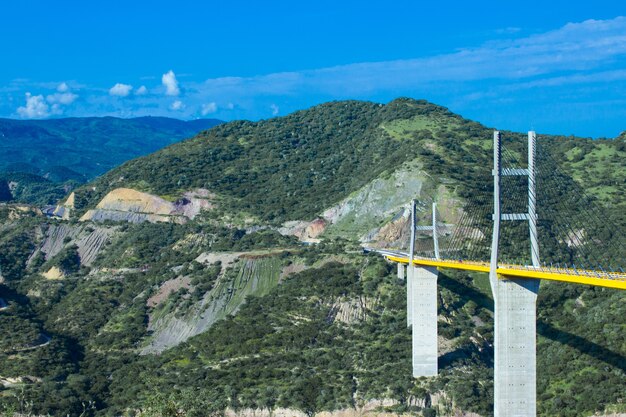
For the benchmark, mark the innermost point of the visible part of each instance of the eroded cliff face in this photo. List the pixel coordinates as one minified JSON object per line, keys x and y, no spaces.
{"x":89,"y":239}
{"x":126,"y":204}
{"x":378,"y":214}
{"x":242,"y":274}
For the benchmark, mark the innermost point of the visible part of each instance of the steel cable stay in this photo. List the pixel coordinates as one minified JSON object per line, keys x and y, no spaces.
{"x":590,"y":208}
{"x":575,"y":240}
{"x":583,"y":217}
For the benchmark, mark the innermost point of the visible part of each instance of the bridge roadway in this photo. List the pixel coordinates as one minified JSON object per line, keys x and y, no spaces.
{"x":504,"y":271}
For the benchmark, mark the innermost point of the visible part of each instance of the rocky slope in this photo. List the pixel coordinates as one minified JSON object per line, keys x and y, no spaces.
{"x":244,"y":276}
{"x":89,"y":240}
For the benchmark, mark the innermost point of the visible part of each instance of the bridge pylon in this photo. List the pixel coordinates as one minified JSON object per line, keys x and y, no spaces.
{"x":515,"y":356}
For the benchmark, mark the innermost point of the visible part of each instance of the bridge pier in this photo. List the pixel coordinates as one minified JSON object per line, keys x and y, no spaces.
{"x":401,"y":270}
{"x":424,"y":319}
{"x":410,"y":274}
{"x":515,"y":356}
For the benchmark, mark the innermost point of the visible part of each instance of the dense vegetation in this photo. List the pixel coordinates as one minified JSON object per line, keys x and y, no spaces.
{"x":280,"y":169}
{"x":24,"y":187}
{"x":332,"y":334}
{"x":287,"y":349}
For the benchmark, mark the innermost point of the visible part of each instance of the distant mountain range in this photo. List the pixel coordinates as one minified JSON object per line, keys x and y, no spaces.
{"x":43,"y":157}
{"x":88,"y":146}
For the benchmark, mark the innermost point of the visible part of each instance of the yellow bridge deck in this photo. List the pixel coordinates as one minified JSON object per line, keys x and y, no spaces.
{"x":577,"y":276}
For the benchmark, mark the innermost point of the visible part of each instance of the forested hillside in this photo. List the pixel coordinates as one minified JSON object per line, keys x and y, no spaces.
{"x":228,"y":309}
{"x":90,"y":146}
{"x":292,"y":167}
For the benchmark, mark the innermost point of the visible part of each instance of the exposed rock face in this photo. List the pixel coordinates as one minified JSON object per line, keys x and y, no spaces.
{"x":349,"y":311}
{"x":64,"y":210}
{"x":90,"y":240}
{"x":293,"y":268}
{"x":393,"y":234}
{"x":167,"y":288}
{"x":18,"y":211}
{"x":193,"y":202}
{"x":371,"y":408}
{"x":255,"y":275}
{"x":378,"y":214}
{"x":304,"y":231}
{"x":125,"y":204}
{"x":366,"y":210}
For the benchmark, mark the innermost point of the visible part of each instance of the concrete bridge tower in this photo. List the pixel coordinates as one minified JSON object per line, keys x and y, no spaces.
{"x":515,"y":361}
{"x":422,"y":304}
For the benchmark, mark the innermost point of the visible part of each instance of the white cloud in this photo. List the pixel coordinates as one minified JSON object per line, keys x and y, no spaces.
{"x":141,"y":91}
{"x":35,"y":108}
{"x":171,"y":84}
{"x":63,"y":87}
{"x":120,"y":90}
{"x":208,"y":108}
{"x":177,"y":105}
{"x":61,"y":98}
{"x":275,"y":109}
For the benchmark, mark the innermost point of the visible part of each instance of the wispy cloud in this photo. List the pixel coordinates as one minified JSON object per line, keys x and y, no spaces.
{"x":208,"y":108}
{"x":574,"y":47}
{"x":177,"y":105}
{"x":61,"y":98}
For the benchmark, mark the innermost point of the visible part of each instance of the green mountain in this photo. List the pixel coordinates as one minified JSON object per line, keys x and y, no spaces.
{"x":89,"y":146}
{"x":187,"y":281}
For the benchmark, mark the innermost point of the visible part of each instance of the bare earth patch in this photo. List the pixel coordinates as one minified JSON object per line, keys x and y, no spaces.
{"x":167,"y":288}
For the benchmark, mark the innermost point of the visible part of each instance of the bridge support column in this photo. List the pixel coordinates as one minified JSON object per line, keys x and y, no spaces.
{"x":401,"y":269}
{"x":410,"y":277}
{"x":424,"y":331}
{"x":515,"y":361}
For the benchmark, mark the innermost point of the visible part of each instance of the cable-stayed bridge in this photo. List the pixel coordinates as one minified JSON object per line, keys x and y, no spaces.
{"x":530,"y":222}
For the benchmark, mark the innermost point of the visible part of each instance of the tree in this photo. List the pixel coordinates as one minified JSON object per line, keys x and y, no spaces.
{"x":306,"y":393}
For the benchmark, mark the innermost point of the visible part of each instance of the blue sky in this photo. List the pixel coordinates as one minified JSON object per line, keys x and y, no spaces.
{"x":556,"y":67}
